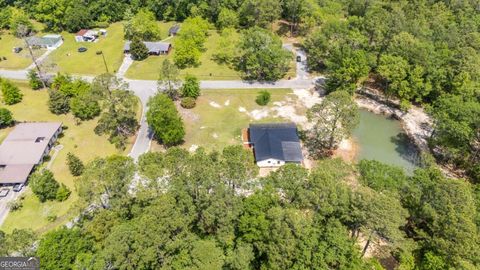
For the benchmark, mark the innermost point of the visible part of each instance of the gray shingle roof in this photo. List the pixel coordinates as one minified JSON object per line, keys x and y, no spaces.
{"x":279,"y":141}
{"x":153,"y":47}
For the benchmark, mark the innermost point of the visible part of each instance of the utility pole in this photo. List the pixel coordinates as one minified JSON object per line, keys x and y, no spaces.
{"x":104,"y":61}
{"x":23,"y":31}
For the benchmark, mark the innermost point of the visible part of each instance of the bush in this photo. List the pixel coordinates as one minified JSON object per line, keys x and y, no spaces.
{"x":138,"y":50}
{"x":51,"y":218}
{"x":75,"y":165}
{"x":15,"y":205}
{"x":58,"y":102}
{"x":34,"y":80}
{"x":191,"y":87}
{"x":62,"y":193}
{"x":263,"y":98}
{"x":44,"y":185}
{"x":10,"y":93}
{"x":188,"y":103}
{"x":6,"y":118}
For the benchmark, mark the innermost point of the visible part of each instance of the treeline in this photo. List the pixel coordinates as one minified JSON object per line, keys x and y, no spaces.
{"x":73,"y":15}
{"x":209,"y":211}
{"x":423,"y":52}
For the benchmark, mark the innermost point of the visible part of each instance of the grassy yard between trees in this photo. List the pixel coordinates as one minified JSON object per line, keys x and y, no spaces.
{"x":149,"y":68}
{"x":220,"y":115}
{"x":78,"y":139}
{"x":15,"y":60}
{"x":68,"y":60}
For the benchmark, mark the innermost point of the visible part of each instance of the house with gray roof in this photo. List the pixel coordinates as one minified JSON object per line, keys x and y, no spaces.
{"x":154,"y":48}
{"x":275,"y":144}
{"x":47,"y":41}
{"x":24,"y":148}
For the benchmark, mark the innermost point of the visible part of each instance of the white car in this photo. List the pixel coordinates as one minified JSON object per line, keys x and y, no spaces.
{"x":4,"y":192}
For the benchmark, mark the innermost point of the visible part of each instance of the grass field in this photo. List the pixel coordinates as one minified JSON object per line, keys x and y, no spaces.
{"x":67,"y":59}
{"x":14,"y":60}
{"x":79,"y":139}
{"x":220,"y":115}
{"x":208,"y":70}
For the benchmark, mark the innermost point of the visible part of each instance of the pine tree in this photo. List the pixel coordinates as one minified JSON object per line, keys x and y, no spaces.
{"x":75,"y":165}
{"x":138,"y":50}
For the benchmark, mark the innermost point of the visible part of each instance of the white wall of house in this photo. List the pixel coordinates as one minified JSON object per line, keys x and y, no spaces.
{"x":271,"y":162}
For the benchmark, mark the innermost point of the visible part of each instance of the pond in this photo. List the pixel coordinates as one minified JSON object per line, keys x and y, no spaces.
{"x":382,"y":138}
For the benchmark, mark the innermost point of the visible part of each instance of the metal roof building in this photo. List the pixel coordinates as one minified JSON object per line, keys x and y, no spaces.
{"x":275,"y":144}
{"x":24,"y":148}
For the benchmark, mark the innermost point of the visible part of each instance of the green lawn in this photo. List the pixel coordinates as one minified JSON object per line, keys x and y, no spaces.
{"x":208,"y":70}
{"x":14,"y":60}
{"x":214,"y":127}
{"x":79,"y":139}
{"x":67,"y":59}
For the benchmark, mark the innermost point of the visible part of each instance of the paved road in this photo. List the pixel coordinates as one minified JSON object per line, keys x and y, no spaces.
{"x":144,"y":89}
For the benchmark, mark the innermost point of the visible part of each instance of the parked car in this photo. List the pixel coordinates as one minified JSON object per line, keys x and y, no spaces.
{"x":17,"y":49}
{"x":17,"y":187}
{"x":4,"y":192}
{"x":82,"y":49}
{"x":299,"y":58}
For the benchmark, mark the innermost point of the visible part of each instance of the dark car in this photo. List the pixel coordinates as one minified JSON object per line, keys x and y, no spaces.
{"x":4,"y":192}
{"x":17,"y":187}
{"x":17,"y":49}
{"x":299,"y":58}
{"x":82,"y":49}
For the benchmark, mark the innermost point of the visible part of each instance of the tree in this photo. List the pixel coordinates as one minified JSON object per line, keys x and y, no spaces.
{"x":105,"y":182}
{"x":163,"y":118}
{"x":77,"y":16}
{"x":58,"y":102}
{"x":262,"y":56}
{"x":44,"y":185}
{"x":168,"y":81}
{"x":227,"y":18}
{"x":75,"y":165}
{"x":19,"y":23}
{"x":10,"y":92}
{"x":119,"y":119}
{"x":85,"y":107}
{"x":19,"y":243}
{"x":294,"y":11}
{"x":34,"y":80}
{"x":186,"y":54}
{"x":347,"y":69}
{"x":138,"y":49}
{"x":259,"y":12}
{"x":238,"y":165}
{"x":263,"y":98}
{"x":143,"y":25}
{"x":380,"y":177}
{"x":61,"y":247}
{"x":191,"y":87}
{"x":6,"y":118}
{"x":333,"y":121}
{"x":227,"y":46}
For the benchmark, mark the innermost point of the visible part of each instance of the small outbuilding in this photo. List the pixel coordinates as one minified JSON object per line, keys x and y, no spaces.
{"x":275,"y":144}
{"x":47,"y":41}
{"x":86,"y":35}
{"x":173,"y":31}
{"x":154,"y":48}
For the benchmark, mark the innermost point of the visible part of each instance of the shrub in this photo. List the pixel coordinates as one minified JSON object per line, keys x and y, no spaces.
{"x":34,"y":80}
{"x":44,"y":185}
{"x":15,"y":205}
{"x":138,"y":50}
{"x":51,"y":218}
{"x":10,"y":93}
{"x":263,"y":98}
{"x":6,"y":118}
{"x":188,"y":102}
{"x":191,"y":87}
{"x":62,"y":193}
{"x":75,"y":165}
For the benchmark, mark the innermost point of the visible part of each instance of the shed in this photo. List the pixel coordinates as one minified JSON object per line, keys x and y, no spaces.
{"x":173,"y":31}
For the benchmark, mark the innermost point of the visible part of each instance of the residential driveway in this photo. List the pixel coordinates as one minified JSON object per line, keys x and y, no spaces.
{"x":4,"y":202}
